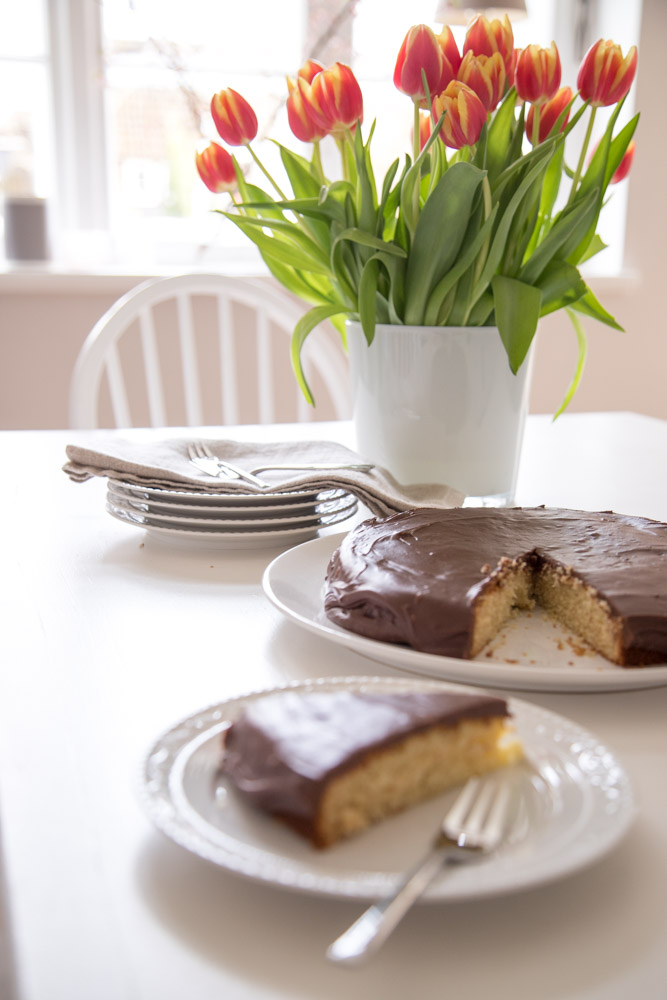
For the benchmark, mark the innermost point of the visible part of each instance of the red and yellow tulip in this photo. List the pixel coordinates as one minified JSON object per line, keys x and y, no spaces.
{"x":537,"y":74}
{"x":484,"y":37}
{"x":336,"y":103}
{"x":485,"y":75}
{"x":465,"y":115}
{"x":215,"y":166}
{"x":420,"y":52}
{"x":550,"y":112}
{"x":451,"y":57}
{"x":604,"y":76}
{"x":300,"y":116}
{"x":234,"y":118}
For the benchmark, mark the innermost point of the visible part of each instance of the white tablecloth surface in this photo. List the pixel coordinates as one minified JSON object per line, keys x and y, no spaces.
{"x":105,"y":642}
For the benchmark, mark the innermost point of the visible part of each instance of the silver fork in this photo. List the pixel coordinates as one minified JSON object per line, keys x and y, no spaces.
{"x":200,"y":453}
{"x":203,"y":458}
{"x":474,"y":826}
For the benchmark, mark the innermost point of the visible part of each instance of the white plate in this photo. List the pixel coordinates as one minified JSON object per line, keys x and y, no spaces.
{"x":532,"y":653}
{"x":238,"y":519}
{"x":574,"y":804}
{"x":264,"y":537}
{"x":222,"y":499}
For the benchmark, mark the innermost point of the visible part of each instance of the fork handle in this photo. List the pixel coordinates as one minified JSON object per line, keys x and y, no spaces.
{"x":367,"y":934}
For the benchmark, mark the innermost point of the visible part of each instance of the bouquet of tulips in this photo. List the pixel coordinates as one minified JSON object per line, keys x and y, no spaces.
{"x":472,"y":228}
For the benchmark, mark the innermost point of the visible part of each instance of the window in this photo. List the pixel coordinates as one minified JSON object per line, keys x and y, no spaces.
{"x":104,"y":102}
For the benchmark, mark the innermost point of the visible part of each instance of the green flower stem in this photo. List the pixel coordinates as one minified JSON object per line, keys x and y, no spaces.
{"x":535,"y":138}
{"x":415,"y":130}
{"x":265,"y":171}
{"x":317,"y":161}
{"x":341,"y":141}
{"x":582,"y":158}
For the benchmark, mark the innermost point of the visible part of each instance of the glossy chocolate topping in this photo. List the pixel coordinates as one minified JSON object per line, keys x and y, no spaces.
{"x":413,"y":577}
{"x":283,"y":748}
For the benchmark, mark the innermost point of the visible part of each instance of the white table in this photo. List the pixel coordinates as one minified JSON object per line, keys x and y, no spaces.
{"x":102,"y":647}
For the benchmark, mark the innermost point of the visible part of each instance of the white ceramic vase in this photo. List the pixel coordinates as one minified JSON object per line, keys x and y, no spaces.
{"x":440,"y":405}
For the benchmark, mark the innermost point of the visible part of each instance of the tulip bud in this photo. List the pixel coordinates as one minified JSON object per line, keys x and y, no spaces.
{"x":215,"y":166}
{"x":420,"y":51}
{"x":336,"y":103}
{"x":624,"y":166}
{"x":550,"y":112}
{"x":299,"y":112}
{"x":234,"y":119}
{"x":537,"y":74}
{"x":623,"y":169}
{"x":424,"y":128}
{"x":485,"y":37}
{"x":485,"y":75}
{"x":605,"y":76}
{"x":465,"y":115}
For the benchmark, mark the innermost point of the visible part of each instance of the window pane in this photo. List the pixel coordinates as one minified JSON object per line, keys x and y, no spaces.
{"x":24,"y":129}
{"x":23,"y":34}
{"x":164,"y":62}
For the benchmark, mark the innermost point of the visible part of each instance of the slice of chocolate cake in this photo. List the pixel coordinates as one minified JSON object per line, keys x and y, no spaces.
{"x":445,"y":581}
{"x":331,"y":763}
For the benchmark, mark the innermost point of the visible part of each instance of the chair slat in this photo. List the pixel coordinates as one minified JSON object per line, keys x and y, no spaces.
{"x":156,"y":407}
{"x":191,"y":388}
{"x":117,"y":391}
{"x":228,"y":363}
{"x":265,"y":400}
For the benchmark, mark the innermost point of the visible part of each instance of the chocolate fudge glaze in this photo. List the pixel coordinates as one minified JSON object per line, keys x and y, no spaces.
{"x":284,"y":747}
{"x":413,"y":577}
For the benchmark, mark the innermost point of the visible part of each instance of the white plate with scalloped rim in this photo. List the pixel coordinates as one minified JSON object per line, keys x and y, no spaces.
{"x":532,"y":652}
{"x":574,"y":804}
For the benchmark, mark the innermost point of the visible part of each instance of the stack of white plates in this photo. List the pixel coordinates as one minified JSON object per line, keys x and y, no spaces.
{"x":229,"y":520}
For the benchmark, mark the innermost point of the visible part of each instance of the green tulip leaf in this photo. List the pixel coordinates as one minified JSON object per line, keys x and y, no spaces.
{"x":581,"y":360}
{"x":517,"y":308}
{"x":299,"y":172}
{"x":588,"y":305}
{"x":439,"y":235}
{"x":368,"y":284}
{"x":303,"y":328}
{"x":500,"y":135}
{"x":561,"y":285}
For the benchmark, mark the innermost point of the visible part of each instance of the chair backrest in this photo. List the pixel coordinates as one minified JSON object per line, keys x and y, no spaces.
{"x":228,"y":341}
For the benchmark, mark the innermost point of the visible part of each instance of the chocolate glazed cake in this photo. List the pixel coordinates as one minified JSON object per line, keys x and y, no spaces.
{"x":445,"y":581}
{"x":330,"y":763}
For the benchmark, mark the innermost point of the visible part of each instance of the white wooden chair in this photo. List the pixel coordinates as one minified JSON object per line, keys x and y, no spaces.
{"x":203,"y":349}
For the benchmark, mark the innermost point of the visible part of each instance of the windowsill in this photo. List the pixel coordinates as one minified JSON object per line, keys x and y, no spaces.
{"x":52,"y":278}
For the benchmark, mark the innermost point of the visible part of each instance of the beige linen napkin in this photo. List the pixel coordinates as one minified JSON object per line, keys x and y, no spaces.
{"x":165,"y":464}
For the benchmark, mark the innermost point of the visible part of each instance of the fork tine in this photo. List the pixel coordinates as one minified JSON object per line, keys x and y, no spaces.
{"x":497,"y":818}
{"x":456,"y":815}
{"x":480,"y":821}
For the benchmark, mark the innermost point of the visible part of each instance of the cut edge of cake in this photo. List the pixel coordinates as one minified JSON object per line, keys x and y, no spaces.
{"x":520,"y":584}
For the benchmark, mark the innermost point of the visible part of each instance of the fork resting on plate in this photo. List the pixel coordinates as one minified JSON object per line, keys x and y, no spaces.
{"x":474,"y":826}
